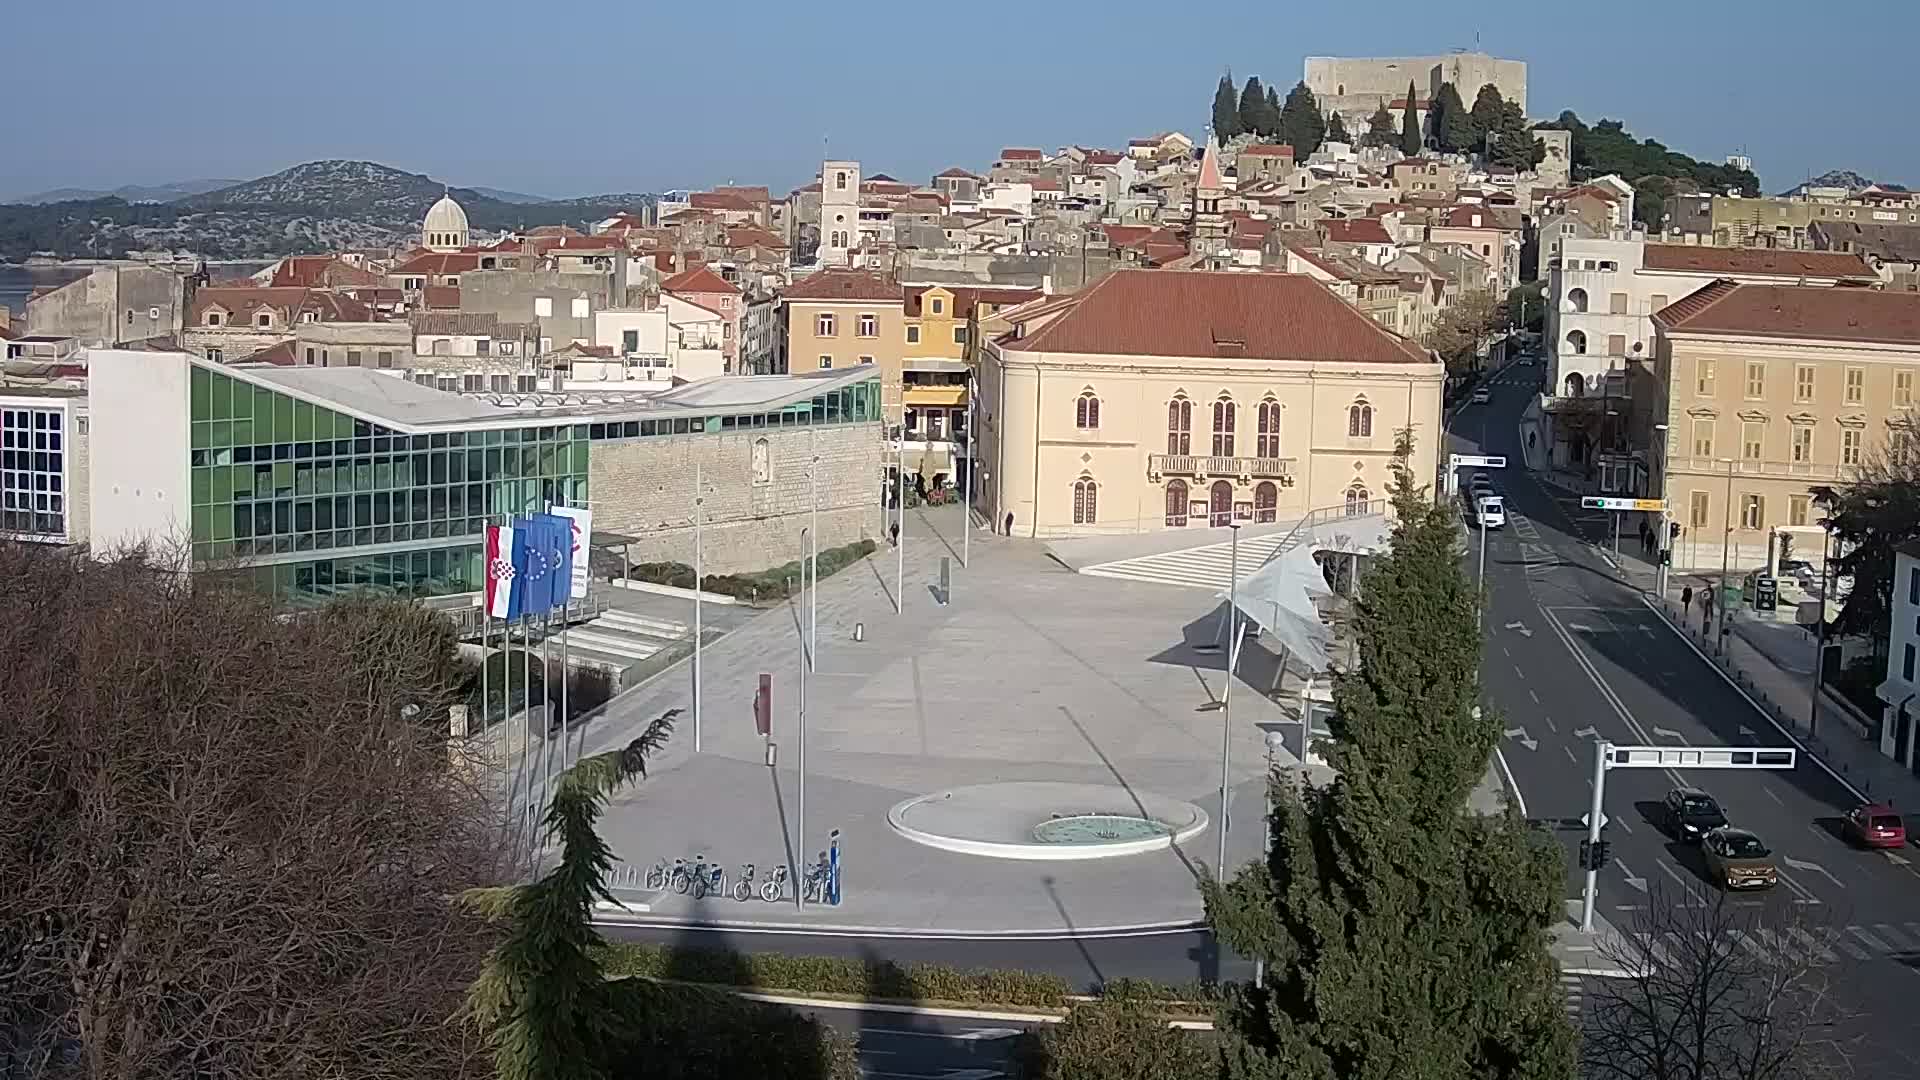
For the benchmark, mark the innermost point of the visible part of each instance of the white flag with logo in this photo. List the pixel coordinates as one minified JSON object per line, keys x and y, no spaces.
{"x":582,"y":520}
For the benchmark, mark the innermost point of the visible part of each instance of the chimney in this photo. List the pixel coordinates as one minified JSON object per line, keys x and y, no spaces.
{"x":1476,"y":221}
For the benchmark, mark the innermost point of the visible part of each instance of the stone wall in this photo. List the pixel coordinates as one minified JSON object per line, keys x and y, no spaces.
{"x":644,"y":488}
{"x":113,"y":305}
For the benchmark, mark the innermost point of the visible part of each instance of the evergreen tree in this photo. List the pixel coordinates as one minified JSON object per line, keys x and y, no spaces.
{"x":1253,"y":107}
{"x":1448,"y":120}
{"x":1485,"y":118}
{"x":1272,"y":113}
{"x":1514,"y":143}
{"x":1226,"y":113}
{"x":1403,"y":936}
{"x":1380,"y":130}
{"x":1301,"y":125}
{"x":1410,"y":141}
{"x":1337,"y":128}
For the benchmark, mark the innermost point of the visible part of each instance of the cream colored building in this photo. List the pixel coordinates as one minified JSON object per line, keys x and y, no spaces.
{"x":1768,"y":390}
{"x":843,"y":318}
{"x":1162,"y":399}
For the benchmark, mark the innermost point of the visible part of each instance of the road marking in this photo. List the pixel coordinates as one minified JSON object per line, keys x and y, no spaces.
{"x":988,"y":1034}
{"x":1869,"y":940}
{"x":1808,"y":943}
{"x":1580,"y":628}
{"x":1575,"y":760}
{"x":1520,"y":736}
{"x":1899,"y":940}
{"x":1534,"y":696}
{"x":1667,"y":734}
{"x":1584,"y":733}
{"x":1832,"y":937}
{"x":1745,"y":732}
{"x":1772,"y":796}
{"x":1517,"y":671}
{"x":1551,"y":726}
{"x":1756,"y":948}
{"x":1667,"y":869}
{"x":1505,"y":653}
{"x":1813,"y":867}
{"x":1897,"y":860}
{"x":1632,"y":882}
{"x":1801,"y":892}
{"x":1520,"y":628}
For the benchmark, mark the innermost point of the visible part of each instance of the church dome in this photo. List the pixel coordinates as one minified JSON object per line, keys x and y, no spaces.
{"x":445,"y":226}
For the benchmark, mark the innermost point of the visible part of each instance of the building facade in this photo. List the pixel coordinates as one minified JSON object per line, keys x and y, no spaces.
{"x":1900,"y":690}
{"x":837,"y":319}
{"x":1187,"y":399}
{"x":44,"y":436}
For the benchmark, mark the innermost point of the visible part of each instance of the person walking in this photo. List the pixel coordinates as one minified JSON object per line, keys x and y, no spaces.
{"x":1686,"y":600}
{"x":1009,"y":523}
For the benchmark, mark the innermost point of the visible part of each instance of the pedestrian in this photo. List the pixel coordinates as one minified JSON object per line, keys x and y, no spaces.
{"x":1009,"y":523}
{"x":1686,"y":599}
{"x":893,"y":530}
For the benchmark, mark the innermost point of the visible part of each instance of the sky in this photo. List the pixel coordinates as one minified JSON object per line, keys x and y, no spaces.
{"x":576,"y":97}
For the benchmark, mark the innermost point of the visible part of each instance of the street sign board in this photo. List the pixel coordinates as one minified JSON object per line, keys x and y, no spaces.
{"x":1598,"y":502}
{"x":1700,"y":757}
{"x":1475,"y":461}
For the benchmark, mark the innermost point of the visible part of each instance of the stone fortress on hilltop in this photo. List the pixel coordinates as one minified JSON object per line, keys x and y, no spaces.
{"x":1356,"y":86}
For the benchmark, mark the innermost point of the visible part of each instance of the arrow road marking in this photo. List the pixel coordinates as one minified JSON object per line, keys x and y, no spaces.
{"x":1580,"y":628}
{"x":1632,"y":882}
{"x":1666,"y":734}
{"x":1746,"y":732}
{"x":1897,"y":860}
{"x":988,"y":1034}
{"x":1584,"y":733}
{"x":1521,"y":628}
{"x":1520,"y":734}
{"x":1813,"y":868}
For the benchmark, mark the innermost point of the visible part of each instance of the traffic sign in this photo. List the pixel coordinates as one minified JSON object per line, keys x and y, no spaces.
{"x":1476,"y":461}
{"x":1596,"y":502}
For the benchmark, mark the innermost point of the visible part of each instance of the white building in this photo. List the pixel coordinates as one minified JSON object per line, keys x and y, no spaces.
{"x":839,"y":211}
{"x":1902,"y":683}
{"x":445,"y":227}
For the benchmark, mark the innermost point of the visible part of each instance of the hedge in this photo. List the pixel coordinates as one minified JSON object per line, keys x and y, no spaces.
{"x":770,"y":584}
{"x":670,"y":1032}
{"x":877,"y":980}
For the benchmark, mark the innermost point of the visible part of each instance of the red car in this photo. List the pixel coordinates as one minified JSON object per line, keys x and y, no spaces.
{"x":1875,"y":825}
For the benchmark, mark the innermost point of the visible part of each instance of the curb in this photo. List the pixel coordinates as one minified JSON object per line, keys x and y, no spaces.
{"x":949,"y":1012}
{"x":793,"y":929}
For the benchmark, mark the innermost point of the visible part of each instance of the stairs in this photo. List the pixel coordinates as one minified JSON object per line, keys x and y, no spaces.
{"x":619,"y":639}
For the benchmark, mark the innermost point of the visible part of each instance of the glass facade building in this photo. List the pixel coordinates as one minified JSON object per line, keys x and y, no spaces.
{"x":33,"y":472}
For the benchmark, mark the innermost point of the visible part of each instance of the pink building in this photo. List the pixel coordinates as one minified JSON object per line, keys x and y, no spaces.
{"x":702,"y":286}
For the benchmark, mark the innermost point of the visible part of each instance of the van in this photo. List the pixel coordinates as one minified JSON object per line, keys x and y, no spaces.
{"x":1491,"y":511}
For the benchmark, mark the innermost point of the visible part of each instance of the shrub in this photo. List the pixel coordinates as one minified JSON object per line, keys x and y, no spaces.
{"x":1113,"y":1039}
{"x":836,"y":976}
{"x":672,"y":1032}
{"x":769,"y":584}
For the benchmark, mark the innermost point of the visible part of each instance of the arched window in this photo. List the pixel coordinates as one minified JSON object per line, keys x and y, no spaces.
{"x":1360,"y":420}
{"x":1179,"y":426}
{"x":1266,"y":502}
{"x":1220,"y":504}
{"x":1176,"y":503}
{"x":1577,"y":299}
{"x":1577,"y":342}
{"x":1223,"y":427}
{"x":1086,"y":411}
{"x":1576,"y":386}
{"x":1357,"y":498}
{"x":1086,"y":505}
{"x":1268,"y":442}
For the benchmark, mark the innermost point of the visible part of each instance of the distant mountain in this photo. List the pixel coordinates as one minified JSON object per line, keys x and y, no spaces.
{"x":512,"y":196}
{"x":133,"y":193}
{"x":313,"y":207}
{"x":1840,"y":178}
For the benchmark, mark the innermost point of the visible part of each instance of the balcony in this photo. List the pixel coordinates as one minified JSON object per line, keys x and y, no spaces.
{"x":1206,"y":467}
{"x":1774,"y":470}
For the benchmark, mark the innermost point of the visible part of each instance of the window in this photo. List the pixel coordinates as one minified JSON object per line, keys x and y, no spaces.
{"x":1756,"y":379}
{"x":1223,"y":427}
{"x":1903,"y":388}
{"x":1752,"y":440}
{"x":762,"y":461}
{"x":1703,"y":378}
{"x":1616,"y":344}
{"x":1797,"y":507}
{"x":526,"y":384}
{"x":1802,"y":443}
{"x":310,"y":355}
{"x":1086,"y":501}
{"x":1577,"y":342}
{"x":1577,"y":299}
{"x":1698,"y":505}
{"x":1266,"y":502}
{"x":840,"y":181}
{"x":629,"y":341}
{"x":542,"y":307}
{"x":1803,"y":382}
{"x":1913,"y":586}
{"x":1703,"y":438}
{"x":483,"y":347}
{"x":353,"y":357}
{"x":262,"y":320}
{"x":826,"y":362}
{"x":868,"y":326}
{"x":1906,"y":662}
{"x":1753,"y":511}
{"x":939,"y":305}
{"x":385,"y":359}
{"x":1357,"y":499}
{"x":213,"y":318}
{"x":473,"y":384}
{"x":500,"y":384}
{"x":1617,"y":303}
{"x":1849,"y":446}
{"x":1176,"y":504}
{"x":1360,"y":420}
{"x":32,"y":488}
{"x":216,"y":355}
{"x":866,"y":359}
{"x":1179,"y":426}
{"x":913,"y":335}
{"x":959,"y":335}
{"x":507,"y":348}
{"x":1659,"y":301}
{"x":582,"y":307}
{"x":1086,"y":411}
{"x":1267,"y":442}
{"x":823,"y":324}
{"x":447,"y":383}
{"x":1856,"y":385}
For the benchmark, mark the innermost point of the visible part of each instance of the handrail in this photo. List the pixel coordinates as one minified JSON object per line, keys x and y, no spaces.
{"x":1326,"y":515}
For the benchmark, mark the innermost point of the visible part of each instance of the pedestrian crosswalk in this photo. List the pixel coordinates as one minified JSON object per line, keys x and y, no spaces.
{"x":1822,"y":945}
{"x":1574,"y":993}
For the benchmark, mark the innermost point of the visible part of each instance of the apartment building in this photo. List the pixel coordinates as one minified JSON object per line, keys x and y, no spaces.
{"x":840,"y":318}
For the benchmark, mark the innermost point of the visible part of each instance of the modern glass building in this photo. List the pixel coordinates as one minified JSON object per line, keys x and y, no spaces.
{"x":317,"y":481}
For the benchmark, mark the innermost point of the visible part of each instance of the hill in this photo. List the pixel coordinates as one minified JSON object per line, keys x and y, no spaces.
{"x":313,"y":207}
{"x":132,"y":193}
{"x":1654,"y":170}
{"x":1840,"y":178}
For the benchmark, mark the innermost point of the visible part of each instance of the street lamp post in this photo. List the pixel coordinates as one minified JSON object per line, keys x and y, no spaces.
{"x":1663,"y":554}
{"x":1726,"y":553}
{"x":1226,"y":691}
{"x":1820,"y":626}
{"x":1274,"y":741}
{"x":698,"y":499}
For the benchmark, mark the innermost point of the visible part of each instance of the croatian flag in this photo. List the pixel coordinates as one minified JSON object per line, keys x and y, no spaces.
{"x":505,"y":589}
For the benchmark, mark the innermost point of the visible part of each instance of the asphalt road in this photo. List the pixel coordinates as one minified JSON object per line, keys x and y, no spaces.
{"x":1573,"y":656}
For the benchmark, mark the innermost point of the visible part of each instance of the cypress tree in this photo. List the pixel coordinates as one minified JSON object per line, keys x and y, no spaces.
{"x":1448,"y":121}
{"x":1301,"y":125}
{"x":1410,"y":141}
{"x":1253,"y":106}
{"x":1403,"y":935}
{"x":1337,"y":128}
{"x":1485,"y":118}
{"x":1514,"y":142}
{"x":1226,"y":113}
{"x":1380,"y":130}
{"x":1271,"y":114}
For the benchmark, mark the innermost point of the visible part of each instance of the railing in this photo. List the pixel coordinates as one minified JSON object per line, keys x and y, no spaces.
{"x":1784,"y":470}
{"x":1202,"y":466}
{"x":468,"y":623}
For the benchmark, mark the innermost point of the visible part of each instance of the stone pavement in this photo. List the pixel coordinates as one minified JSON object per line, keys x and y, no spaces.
{"x":1031,"y":672}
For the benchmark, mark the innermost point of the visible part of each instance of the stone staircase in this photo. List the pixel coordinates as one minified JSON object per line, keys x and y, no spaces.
{"x":618,"y":639}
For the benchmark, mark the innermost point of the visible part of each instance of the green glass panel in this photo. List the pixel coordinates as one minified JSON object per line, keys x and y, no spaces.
{"x":302,"y":421}
{"x":323,"y":477}
{"x":242,"y":431}
{"x":579,"y":455}
{"x":282,"y":418}
{"x":222,"y":484}
{"x":202,"y":485}
{"x":199,"y":380}
{"x":200,"y":434}
{"x":303,"y":478}
{"x":241,"y":483}
{"x":222,"y":524}
{"x":242,"y":399}
{"x":263,"y":406}
{"x":220,"y":549}
{"x":220,"y":433}
{"x":202,"y":524}
{"x":219,"y":397}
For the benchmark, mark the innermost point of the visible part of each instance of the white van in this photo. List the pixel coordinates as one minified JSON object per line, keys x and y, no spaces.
{"x":1491,"y":512}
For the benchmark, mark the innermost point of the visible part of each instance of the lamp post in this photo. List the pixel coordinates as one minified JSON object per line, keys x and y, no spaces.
{"x":1225,"y":705}
{"x":1820,"y":625}
{"x":1663,"y":554}
{"x":699,"y":497}
{"x":1274,"y":740}
{"x":1726,"y":552}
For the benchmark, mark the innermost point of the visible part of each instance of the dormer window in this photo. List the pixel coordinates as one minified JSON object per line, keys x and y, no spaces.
{"x":263,"y":320}
{"x":213,"y":318}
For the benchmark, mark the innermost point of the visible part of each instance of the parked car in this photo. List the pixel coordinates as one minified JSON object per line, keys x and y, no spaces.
{"x":1482,"y":395}
{"x":1738,"y":860}
{"x":1691,"y":814}
{"x":1490,"y":512}
{"x":1875,"y":825}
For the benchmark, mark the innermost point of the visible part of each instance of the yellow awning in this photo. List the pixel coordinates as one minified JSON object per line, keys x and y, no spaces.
{"x":919,"y":396}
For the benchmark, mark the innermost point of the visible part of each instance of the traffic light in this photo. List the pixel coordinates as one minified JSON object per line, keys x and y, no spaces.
{"x":1594,"y":854}
{"x":1601,"y":855}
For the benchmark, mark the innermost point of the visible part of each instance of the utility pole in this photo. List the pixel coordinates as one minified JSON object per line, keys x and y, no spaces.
{"x":1226,"y":691}
{"x":1726,"y":556}
{"x":1594,"y":820}
{"x":698,"y":581}
{"x":900,"y":537}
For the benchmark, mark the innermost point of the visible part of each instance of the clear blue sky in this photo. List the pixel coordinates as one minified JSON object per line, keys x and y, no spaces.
{"x":580,"y":96}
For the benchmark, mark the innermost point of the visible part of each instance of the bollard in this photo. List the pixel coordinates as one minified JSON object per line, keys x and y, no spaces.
{"x":859,"y":631}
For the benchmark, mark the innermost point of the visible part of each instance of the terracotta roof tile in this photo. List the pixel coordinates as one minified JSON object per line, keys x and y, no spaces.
{"x":1267,"y":150}
{"x":836,"y":284}
{"x":1358,"y":231}
{"x":455,"y":324}
{"x":1020,"y":153}
{"x":720,"y":200}
{"x":437,"y":262}
{"x":966,"y":299}
{"x":241,"y":301}
{"x":698,"y":280}
{"x":1753,"y":261}
{"x":1211,"y":315}
{"x":1806,"y":312}
{"x":442,"y":297}
{"x":317,"y":271}
{"x":956,"y":173}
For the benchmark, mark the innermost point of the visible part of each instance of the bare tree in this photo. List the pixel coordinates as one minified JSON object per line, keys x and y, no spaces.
{"x":1719,"y":991}
{"x":230,"y":840}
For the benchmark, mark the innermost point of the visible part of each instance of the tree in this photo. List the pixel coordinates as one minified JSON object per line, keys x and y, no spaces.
{"x":1462,"y":329}
{"x":1226,"y":111}
{"x":1337,"y":128}
{"x":230,"y":833}
{"x":1349,"y":992}
{"x":1514,"y":143}
{"x":1485,"y":117}
{"x":1699,"y":1003}
{"x":1380,"y":129}
{"x":1113,"y":1039}
{"x":1410,"y":140}
{"x":1870,"y":517}
{"x":1271,"y":114}
{"x":1253,"y":107}
{"x":1301,"y":125}
{"x":1608,"y":147}
{"x":1449,"y":122}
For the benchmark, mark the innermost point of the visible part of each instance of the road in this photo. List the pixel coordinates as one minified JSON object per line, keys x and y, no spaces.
{"x":1573,"y":655}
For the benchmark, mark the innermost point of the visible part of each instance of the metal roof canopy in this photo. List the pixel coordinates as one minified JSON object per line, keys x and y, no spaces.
{"x":1700,"y":757}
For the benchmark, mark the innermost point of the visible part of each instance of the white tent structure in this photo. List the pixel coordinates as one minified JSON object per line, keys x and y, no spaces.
{"x":1279,"y":596}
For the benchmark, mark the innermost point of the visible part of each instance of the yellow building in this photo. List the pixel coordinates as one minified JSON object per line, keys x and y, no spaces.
{"x":941,"y":321}
{"x":1767,"y":391}
{"x":1161,"y":399}
{"x":841,"y":318}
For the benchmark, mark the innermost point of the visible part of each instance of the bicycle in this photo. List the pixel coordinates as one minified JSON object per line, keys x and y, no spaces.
{"x":713,"y":882}
{"x":774,"y":889}
{"x":743,"y":885}
{"x":687,"y":878}
{"x":815,"y":886}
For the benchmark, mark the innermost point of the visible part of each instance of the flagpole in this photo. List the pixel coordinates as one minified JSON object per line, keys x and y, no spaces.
{"x":526,"y":718}
{"x":966,"y":518}
{"x":697,"y":568}
{"x":546,"y":723}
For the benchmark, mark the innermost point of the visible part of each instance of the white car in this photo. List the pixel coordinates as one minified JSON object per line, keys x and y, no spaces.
{"x":1490,"y":512}
{"x":1482,"y":396}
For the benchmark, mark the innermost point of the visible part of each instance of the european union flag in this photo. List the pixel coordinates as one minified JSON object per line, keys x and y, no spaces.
{"x":520,"y":555}
{"x":555,"y":537}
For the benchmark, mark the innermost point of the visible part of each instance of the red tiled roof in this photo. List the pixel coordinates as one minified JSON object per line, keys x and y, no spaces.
{"x":1104,"y":157}
{"x":1358,"y":231}
{"x":1044,"y":185}
{"x":1399,"y":104}
{"x":836,"y":284}
{"x":1020,"y":153}
{"x":1143,"y":142}
{"x":314,"y":271}
{"x":280,"y":354}
{"x":758,"y":193}
{"x":1806,"y":312}
{"x":698,"y":280}
{"x":437,"y":262}
{"x":442,"y":297}
{"x":955,"y":173}
{"x":1268,"y":150}
{"x":241,"y":301}
{"x":1470,"y":217}
{"x":1772,"y":262}
{"x":1190,"y":313}
{"x":721,"y":200}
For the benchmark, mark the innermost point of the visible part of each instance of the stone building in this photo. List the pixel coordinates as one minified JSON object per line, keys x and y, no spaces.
{"x":1356,"y":86}
{"x":229,"y":323}
{"x":115,"y":305}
